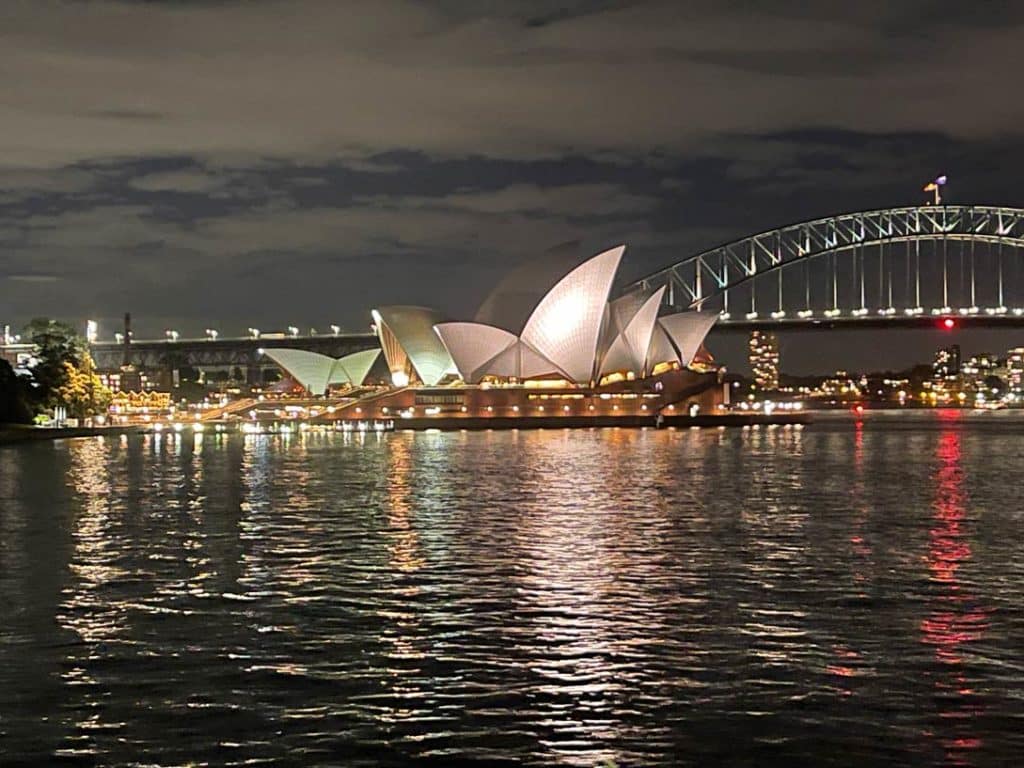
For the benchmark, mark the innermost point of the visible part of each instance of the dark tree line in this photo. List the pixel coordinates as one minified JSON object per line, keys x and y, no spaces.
{"x":62,"y":374}
{"x":15,"y":396}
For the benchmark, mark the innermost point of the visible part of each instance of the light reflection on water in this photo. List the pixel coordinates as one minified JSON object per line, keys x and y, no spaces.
{"x":836,"y":594}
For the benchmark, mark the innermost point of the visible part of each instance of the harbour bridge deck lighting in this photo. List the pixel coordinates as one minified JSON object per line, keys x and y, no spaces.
{"x":805,"y":313}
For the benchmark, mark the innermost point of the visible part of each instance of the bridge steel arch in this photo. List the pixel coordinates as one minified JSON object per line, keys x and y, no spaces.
{"x":705,"y":280}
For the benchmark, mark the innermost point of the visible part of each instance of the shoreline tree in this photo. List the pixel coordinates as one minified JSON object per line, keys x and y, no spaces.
{"x":64,"y":372}
{"x":82,"y":392}
{"x":14,"y":397}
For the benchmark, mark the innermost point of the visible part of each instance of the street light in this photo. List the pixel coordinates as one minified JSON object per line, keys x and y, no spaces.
{"x":335,"y":329}
{"x":91,"y":331}
{"x":211,"y":334}
{"x":254,"y":332}
{"x":293,"y":330}
{"x":936,"y":186}
{"x":171,"y":334}
{"x":119,"y":338}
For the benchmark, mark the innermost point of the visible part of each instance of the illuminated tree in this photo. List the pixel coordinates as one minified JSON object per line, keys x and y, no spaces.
{"x":82,"y":392}
{"x":55,"y":343}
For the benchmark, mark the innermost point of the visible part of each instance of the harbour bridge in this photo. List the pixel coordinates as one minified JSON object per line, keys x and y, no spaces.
{"x":244,"y":353}
{"x":911,"y":267}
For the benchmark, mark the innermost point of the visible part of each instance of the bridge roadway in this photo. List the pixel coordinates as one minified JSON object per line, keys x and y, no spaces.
{"x":850,"y":322}
{"x":221,"y":353}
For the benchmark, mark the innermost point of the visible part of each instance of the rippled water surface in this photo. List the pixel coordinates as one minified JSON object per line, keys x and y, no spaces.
{"x":833,"y":595}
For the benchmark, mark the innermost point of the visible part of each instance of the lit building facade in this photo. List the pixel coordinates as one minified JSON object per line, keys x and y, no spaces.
{"x":1015,"y":370}
{"x":946,"y":367}
{"x":764,"y":359}
{"x":977,"y":370}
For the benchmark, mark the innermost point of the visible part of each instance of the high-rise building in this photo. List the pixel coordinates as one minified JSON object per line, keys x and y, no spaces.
{"x":977,"y":370}
{"x":764,"y":359}
{"x":947,"y":363}
{"x":1015,"y":370}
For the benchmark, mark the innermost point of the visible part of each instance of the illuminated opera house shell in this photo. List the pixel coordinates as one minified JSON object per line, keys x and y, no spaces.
{"x":317,"y":372}
{"x":413,"y":351}
{"x":575,"y":333}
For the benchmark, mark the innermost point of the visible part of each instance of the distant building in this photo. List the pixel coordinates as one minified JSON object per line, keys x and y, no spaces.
{"x":947,"y":364}
{"x":1015,"y":370}
{"x":977,"y":370}
{"x":764,"y":359}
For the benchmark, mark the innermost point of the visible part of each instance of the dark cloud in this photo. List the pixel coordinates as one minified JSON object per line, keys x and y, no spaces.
{"x":274,"y":163}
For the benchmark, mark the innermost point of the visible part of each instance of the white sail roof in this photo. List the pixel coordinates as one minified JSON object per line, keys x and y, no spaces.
{"x":353,"y":369}
{"x":623,"y":309}
{"x":512,"y":300}
{"x":521,"y":361}
{"x":413,"y":329}
{"x":311,"y":370}
{"x":482,"y":350}
{"x":315,"y":371}
{"x":472,"y":345}
{"x":687,"y":331}
{"x":565,"y":327}
{"x":661,"y":349}
{"x":628,"y":351}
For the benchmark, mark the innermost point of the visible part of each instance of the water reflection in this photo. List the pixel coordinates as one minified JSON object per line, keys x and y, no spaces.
{"x":957,"y":620}
{"x":96,"y":560}
{"x":692,"y":597}
{"x":402,"y":536}
{"x":87,"y":610}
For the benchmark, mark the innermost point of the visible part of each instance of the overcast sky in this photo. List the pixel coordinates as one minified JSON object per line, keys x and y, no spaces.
{"x":272,"y":163}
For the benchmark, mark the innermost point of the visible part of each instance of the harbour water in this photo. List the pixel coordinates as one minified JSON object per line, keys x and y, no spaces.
{"x":838,"y":594}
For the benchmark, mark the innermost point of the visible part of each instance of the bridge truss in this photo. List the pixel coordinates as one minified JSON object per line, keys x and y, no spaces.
{"x":881,"y":267}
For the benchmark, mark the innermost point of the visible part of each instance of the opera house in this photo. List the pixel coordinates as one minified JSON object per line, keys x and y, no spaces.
{"x":579,"y":353}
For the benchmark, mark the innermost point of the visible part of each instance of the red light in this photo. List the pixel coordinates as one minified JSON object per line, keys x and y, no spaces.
{"x":949,"y":323}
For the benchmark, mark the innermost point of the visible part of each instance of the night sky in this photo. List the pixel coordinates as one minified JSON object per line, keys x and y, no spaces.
{"x":263,"y":163}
